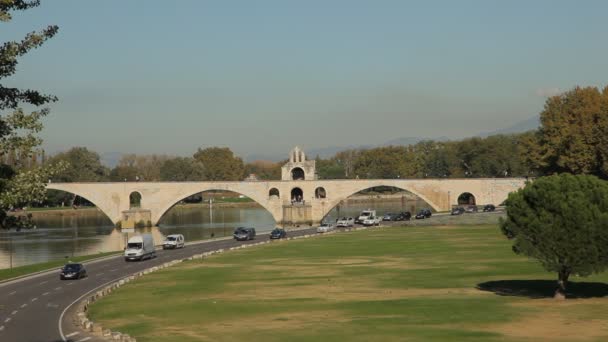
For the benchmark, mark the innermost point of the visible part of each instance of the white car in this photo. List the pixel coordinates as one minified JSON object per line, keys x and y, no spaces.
{"x":372,"y":221}
{"x":174,"y":241}
{"x":346,"y":222}
{"x":325,"y":227}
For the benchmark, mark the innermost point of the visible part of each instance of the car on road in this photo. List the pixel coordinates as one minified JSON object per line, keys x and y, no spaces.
{"x":489,"y":207}
{"x":73,"y":271}
{"x":457,"y":211}
{"x":325,"y":227}
{"x":422,"y":214}
{"x":174,"y":241}
{"x":140,"y":247}
{"x":389,"y":217}
{"x":345,"y":222}
{"x":244,"y":233}
{"x":364,"y":215}
{"x":403,"y":216}
{"x":471,"y":209}
{"x":371,"y":221}
{"x":278,"y":233}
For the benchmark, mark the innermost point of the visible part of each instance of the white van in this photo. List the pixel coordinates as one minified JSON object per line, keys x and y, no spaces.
{"x":140,"y":247}
{"x":364,"y":215}
{"x":174,"y":241}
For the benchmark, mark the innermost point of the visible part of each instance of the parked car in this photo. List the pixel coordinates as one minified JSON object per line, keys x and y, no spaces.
{"x":371,"y":221}
{"x":174,"y":241}
{"x":457,"y":211}
{"x":422,"y":214}
{"x":489,"y":207}
{"x":325,"y":227}
{"x":73,"y":271}
{"x":403,"y":216}
{"x":471,"y":209}
{"x":364,"y":215}
{"x":278,"y":233}
{"x":345,"y":222}
{"x":244,"y":234}
{"x":389,"y":217}
{"x":140,"y":247}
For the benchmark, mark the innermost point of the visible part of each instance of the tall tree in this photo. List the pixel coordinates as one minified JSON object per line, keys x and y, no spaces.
{"x":84,"y":166}
{"x":220,"y":164}
{"x":180,"y":169}
{"x":562,"y":221}
{"x":572,"y":136}
{"x":264,"y":170}
{"x":18,"y":130}
{"x":147,"y":167}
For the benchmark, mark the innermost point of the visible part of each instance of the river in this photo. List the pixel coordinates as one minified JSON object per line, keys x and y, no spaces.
{"x":90,"y":232}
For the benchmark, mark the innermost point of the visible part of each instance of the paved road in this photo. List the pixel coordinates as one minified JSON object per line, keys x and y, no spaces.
{"x":30,"y":308}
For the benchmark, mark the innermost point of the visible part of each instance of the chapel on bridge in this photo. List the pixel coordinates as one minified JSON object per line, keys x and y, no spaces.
{"x":298,"y":168}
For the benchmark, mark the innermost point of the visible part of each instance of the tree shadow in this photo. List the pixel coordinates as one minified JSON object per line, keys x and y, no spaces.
{"x":536,"y":289}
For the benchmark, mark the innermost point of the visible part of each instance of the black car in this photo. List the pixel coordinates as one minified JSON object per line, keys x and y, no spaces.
{"x":243,"y":234}
{"x":422,"y":214}
{"x":489,"y":207}
{"x":457,"y":211}
{"x":73,"y":271}
{"x":403,"y":216}
{"x":278,"y":234}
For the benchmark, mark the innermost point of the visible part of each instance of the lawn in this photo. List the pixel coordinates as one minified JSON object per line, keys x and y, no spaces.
{"x":387,"y":284}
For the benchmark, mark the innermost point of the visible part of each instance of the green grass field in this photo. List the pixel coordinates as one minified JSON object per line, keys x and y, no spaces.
{"x":8,"y":273}
{"x":387,"y":284}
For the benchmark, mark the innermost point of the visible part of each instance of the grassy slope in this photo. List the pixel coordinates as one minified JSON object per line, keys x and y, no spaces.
{"x":23,"y":270}
{"x":390,"y":284}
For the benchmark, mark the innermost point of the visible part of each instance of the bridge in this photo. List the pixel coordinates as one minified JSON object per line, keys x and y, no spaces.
{"x":298,"y":198}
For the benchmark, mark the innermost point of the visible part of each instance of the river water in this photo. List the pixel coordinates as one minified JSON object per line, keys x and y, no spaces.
{"x":90,"y":232}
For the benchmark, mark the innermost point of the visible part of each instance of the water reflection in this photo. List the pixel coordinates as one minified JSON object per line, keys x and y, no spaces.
{"x":60,"y":236}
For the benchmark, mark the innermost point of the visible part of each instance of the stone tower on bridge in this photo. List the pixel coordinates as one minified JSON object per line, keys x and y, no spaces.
{"x":298,"y":168}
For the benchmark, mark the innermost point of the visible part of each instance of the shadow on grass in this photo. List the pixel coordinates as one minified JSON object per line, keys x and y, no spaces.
{"x":543,"y":288}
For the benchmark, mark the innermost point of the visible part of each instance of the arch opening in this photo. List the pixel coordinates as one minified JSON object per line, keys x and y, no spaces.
{"x":297,"y":196}
{"x":134,"y":200}
{"x":384,"y":199}
{"x":274,"y":193}
{"x":217,"y":211}
{"x":466,"y":198}
{"x":320,"y":192}
{"x":297,"y":173}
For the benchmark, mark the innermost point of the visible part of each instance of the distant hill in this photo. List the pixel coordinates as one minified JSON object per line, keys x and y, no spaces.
{"x":520,"y":127}
{"x":110,"y":159}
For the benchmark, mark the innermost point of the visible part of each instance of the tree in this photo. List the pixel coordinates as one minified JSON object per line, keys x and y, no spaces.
{"x":18,"y":130}
{"x":572,"y":136}
{"x":264,"y":169}
{"x":84,"y":166}
{"x":147,"y":167}
{"x":180,"y":169}
{"x":220,"y":164}
{"x":562,"y":221}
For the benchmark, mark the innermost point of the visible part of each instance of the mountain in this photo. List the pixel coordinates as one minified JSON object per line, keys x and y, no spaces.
{"x":520,"y":127}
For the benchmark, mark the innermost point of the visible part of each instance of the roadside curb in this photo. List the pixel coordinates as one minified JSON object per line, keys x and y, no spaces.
{"x":88,"y":326}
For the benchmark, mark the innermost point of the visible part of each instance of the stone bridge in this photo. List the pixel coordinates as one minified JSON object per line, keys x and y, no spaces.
{"x":289,"y":201}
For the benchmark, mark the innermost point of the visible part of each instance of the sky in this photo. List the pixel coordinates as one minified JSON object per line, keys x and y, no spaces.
{"x":262,"y":76}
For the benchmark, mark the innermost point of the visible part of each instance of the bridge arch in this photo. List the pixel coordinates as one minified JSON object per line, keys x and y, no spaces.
{"x":338,"y":196}
{"x":107,"y":212}
{"x":257,"y":197}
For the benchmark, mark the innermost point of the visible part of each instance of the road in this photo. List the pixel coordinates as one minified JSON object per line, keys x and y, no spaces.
{"x":31,"y":308}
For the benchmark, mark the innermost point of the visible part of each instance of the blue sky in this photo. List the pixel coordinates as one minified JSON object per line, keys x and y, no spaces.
{"x":262,"y":76}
